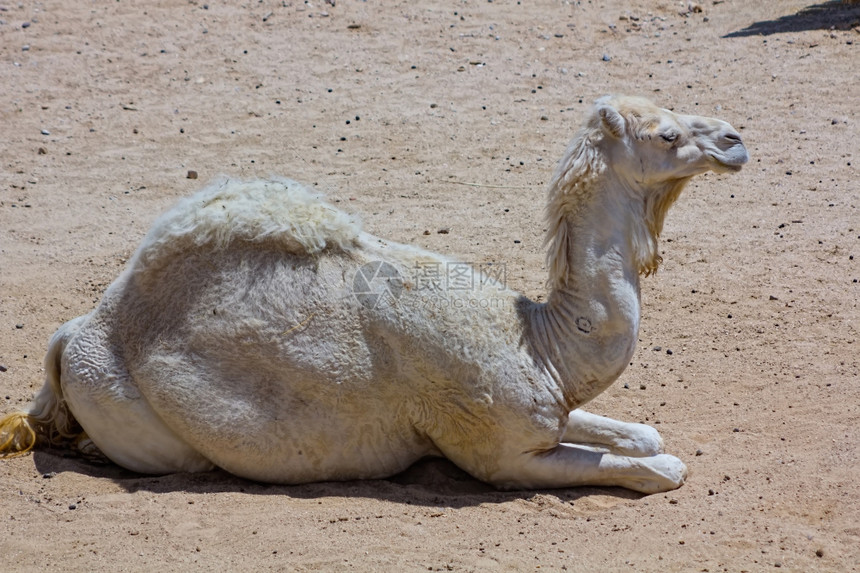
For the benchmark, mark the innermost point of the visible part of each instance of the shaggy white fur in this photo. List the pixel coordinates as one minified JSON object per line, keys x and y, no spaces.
{"x":279,"y":211}
{"x":259,"y":330}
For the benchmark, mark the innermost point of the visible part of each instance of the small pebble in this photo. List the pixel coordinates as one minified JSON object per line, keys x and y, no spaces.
{"x":444,"y":231}
{"x":46,"y":132}
{"x":73,"y":506}
{"x":658,"y":348}
{"x":49,"y":475}
{"x":669,"y":351}
{"x":699,"y":452}
{"x":191,"y":175}
{"x":3,"y":368}
{"x":43,"y":151}
{"x":19,"y":326}
{"x":25,"y":48}
{"x":819,"y":553}
{"x":643,"y":387}
{"x":607,"y":58}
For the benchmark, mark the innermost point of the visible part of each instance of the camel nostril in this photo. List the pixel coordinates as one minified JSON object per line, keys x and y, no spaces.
{"x":733,"y":137}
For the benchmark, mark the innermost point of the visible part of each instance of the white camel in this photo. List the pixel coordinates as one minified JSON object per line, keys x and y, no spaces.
{"x":259,"y":330}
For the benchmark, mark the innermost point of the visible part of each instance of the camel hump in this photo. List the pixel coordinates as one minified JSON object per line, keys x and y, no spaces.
{"x":278,"y":211}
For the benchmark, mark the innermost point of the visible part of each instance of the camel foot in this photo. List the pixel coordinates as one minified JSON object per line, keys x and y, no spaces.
{"x":664,"y":473}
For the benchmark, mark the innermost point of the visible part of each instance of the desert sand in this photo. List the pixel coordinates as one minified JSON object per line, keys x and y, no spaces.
{"x":439,"y":124}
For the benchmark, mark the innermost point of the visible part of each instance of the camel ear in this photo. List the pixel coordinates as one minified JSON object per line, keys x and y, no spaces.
{"x":612,"y":120}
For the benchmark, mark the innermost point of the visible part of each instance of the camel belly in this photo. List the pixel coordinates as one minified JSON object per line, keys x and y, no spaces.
{"x":283,"y":421}
{"x":278,"y":433}
{"x":325,"y":454}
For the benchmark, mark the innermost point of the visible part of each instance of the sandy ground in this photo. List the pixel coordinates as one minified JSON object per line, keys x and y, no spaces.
{"x":422,"y":116}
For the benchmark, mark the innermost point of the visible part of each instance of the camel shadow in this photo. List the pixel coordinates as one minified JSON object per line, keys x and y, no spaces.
{"x":432,"y":482}
{"x":825,"y":16}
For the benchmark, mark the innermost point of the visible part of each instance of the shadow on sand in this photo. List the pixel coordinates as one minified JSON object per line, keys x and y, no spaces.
{"x":431,"y":482}
{"x":834,"y":14}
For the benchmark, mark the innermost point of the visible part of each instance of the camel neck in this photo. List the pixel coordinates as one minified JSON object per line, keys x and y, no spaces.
{"x":587,"y":329}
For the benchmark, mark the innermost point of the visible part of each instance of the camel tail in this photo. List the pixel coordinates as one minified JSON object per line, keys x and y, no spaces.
{"x":47,"y":420}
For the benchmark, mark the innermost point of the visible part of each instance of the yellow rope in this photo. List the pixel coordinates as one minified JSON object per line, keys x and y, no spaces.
{"x":17,"y":436}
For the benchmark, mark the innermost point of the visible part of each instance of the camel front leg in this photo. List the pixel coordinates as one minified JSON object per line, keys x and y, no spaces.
{"x":569,"y":466}
{"x":628,"y":439}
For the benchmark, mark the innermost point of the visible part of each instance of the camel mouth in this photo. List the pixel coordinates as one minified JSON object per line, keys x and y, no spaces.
{"x":722,"y":167}
{"x":729,"y":162}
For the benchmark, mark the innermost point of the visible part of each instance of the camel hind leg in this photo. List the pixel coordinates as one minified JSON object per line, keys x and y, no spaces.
{"x":115,"y":415}
{"x":90,"y":402}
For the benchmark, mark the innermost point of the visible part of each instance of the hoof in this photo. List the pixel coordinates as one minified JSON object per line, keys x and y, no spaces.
{"x":665,"y":473}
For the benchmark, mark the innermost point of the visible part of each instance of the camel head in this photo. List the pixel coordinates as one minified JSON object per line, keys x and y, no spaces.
{"x":648,"y":146}
{"x":646,"y":153}
{"x":654,"y":153}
